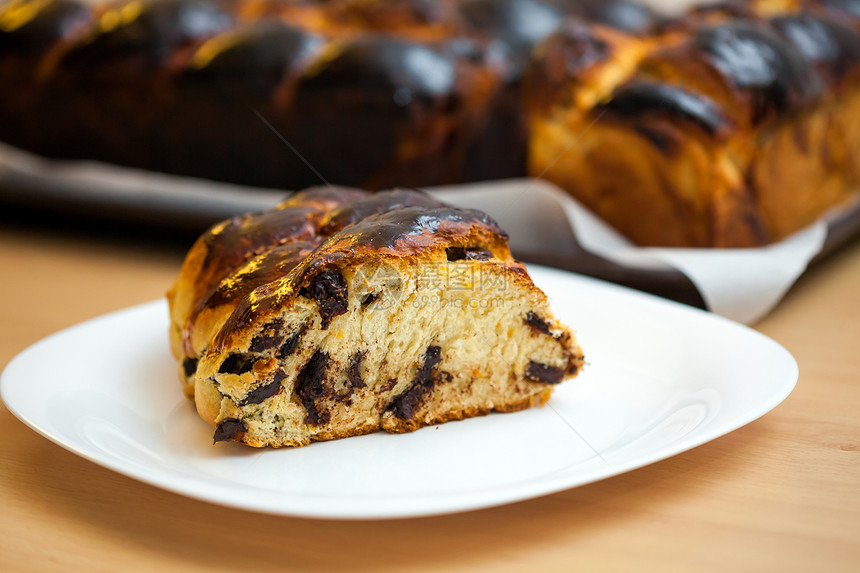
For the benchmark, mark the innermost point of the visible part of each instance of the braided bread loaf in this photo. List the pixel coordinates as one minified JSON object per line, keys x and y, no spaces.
{"x":370,"y":93}
{"x":341,"y":312}
{"x":734,"y":126}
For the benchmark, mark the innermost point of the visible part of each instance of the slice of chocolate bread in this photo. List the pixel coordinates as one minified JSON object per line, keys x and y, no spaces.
{"x":393,"y":312}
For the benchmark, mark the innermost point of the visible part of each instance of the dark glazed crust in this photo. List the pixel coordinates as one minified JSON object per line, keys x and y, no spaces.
{"x":373,"y":94}
{"x":745,"y":66}
{"x":832,"y":47}
{"x":277,"y":50}
{"x":761,"y":66}
{"x":403,"y":232}
{"x":644,"y":99}
{"x":353,"y":211}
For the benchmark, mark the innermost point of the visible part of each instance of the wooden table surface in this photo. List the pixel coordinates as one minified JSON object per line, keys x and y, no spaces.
{"x":780,"y":494}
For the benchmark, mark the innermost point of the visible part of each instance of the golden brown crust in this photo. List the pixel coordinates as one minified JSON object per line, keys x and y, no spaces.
{"x":727,"y":131}
{"x":516,"y":405}
{"x":406,"y":426}
{"x":208,"y":410}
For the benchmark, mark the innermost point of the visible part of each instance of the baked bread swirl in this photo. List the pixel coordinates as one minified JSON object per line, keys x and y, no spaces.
{"x":342,"y":312}
{"x":734,"y":126}
{"x":371,"y":93}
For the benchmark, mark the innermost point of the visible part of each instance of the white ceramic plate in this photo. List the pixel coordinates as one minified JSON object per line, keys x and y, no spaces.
{"x":661,"y":378}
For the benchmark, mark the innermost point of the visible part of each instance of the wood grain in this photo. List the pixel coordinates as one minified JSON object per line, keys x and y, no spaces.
{"x":780,"y":494}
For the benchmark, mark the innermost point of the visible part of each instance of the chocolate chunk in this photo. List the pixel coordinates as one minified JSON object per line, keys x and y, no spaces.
{"x":470,"y":253}
{"x":310,"y":387}
{"x":268,"y":338}
{"x":455,"y":253}
{"x":538,"y":372}
{"x":536,"y":323}
{"x":265,"y":391}
{"x":189,"y":367}
{"x":404,"y":405}
{"x":353,"y":373}
{"x":227,"y":429}
{"x":475,"y":254}
{"x":389,"y":384}
{"x":432,"y":358}
{"x":237,"y":364}
{"x":290,"y":344}
{"x":329,"y":290}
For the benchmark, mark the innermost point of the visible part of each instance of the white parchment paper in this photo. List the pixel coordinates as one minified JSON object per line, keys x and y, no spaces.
{"x":741,"y":284}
